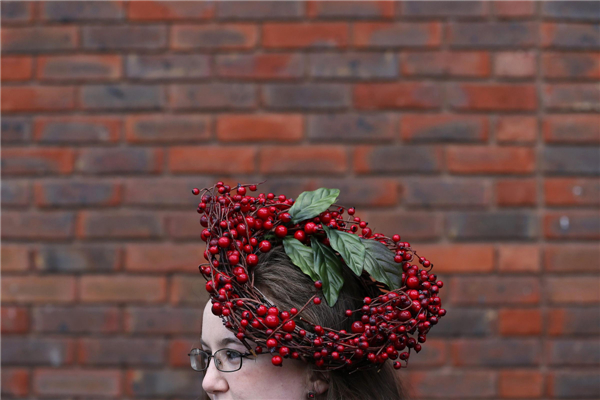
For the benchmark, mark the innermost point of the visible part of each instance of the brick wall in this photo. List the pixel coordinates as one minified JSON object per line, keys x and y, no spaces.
{"x":470,"y":128}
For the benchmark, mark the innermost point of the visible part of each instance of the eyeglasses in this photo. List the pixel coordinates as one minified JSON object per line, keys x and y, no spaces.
{"x":226,"y":360}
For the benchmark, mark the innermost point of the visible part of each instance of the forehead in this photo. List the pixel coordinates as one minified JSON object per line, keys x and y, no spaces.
{"x":213,"y":330}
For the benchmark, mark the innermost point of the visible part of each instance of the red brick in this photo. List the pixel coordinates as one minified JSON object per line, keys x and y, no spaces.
{"x":260,"y":127}
{"x":121,"y":351}
{"x":16,"y":68}
{"x":83,"y":67}
{"x":579,"y":129}
{"x":260,"y":66}
{"x":163,"y":320}
{"x":15,"y":320}
{"x":405,"y":159}
{"x":434,"y":354}
{"x":458,"y":258}
{"x":496,"y":352}
{"x":350,"y":9}
{"x":390,"y":34}
{"x":490,"y":160}
{"x":213,"y":96}
{"x":77,"y":129}
{"x":120,"y":160}
{"x":163,"y":258}
{"x":180,"y":226}
{"x":162,"y":128}
{"x":581,"y":97}
{"x":513,"y":129}
{"x":443,"y":128}
{"x":212,"y":160}
{"x":124,"y":224}
{"x":513,"y":64}
{"x":571,"y":65}
{"x":122,"y":289}
{"x":77,"y":320}
{"x":303,"y":160}
{"x":226,"y":36}
{"x":186,"y":289}
{"x":519,"y":322}
{"x":300,"y":35}
{"x":263,"y":10}
{"x":422,"y":225}
{"x":170,"y":10}
{"x":571,"y":258}
{"x":454,"y":383}
{"x":493,"y":290}
{"x":492,"y":97}
{"x":48,"y":226}
{"x":519,"y":258}
{"x":166,"y":192}
{"x":575,"y":320}
{"x":361,"y":192}
{"x":178,"y":350}
{"x":77,"y":382}
{"x":39,"y":38}
{"x":446,"y":64}
{"x":432,"y":9}
{"x":578,"y":224}
{"x":15,"y":381}
{"x":573,"y":290}
{"x":572,"y":192}
{"x":415,"y":95}
{"x":15,"y":258}
{"x":570,"y":36}
{"x":26,"y":161}
{"x":516,"y":192}
{"x":38,"y":289}
{"x":37,"y":98}
{"x":514,"y":9}
{"x":517,"y":384}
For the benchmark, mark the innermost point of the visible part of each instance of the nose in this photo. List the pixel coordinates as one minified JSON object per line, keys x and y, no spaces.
{"x":214,"y":381}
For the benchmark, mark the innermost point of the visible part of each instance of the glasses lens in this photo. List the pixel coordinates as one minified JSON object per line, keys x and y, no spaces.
{"x":198,"y":359}
{"x":228,"y":360}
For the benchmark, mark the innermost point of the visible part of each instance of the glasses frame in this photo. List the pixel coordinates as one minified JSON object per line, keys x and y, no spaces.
{"x":211,"y":356}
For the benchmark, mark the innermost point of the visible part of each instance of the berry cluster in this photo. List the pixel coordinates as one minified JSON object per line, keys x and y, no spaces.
{"x":238,"y":226}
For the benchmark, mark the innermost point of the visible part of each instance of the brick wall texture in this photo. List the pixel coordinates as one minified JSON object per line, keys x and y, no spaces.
{"x":471,"y":128}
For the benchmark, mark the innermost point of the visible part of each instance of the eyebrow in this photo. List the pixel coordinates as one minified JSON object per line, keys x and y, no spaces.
{"x":223,"y":342}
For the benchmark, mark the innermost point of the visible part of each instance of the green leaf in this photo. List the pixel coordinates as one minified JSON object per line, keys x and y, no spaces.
{"x":302,"y":256}
{"x":380,"y":264}
{"x":310,"y":204}
{"x":329,"y":267}
{"x":350,"y":248}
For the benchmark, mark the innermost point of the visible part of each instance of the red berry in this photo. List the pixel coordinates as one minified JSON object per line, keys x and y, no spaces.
{"x":412,"y":282}
{"x":277,"y":360}
{"x":284,"y":351}
{"x":271,"y":342}
{"x":281,"y":231}
{"x":241,"y":190}
{"x":397,"y":365}
{"x":217,"y":309}
{"x":348,"y":313}
{"x":293,"y":311}
{"x":242,"y":278}
{"x":358,"y":327}
{"x":289,"y":326}
{"x":224,"y":242}
{"x":396,"y":238}
{"x":261,"y":310}
{"x":264,"y":246}
{"x":317,"y":300}
{"x":351,"y":211}
{"x":234,"y":259}
{"x":272,"y":321}
{"x":318,"y":284}
{"x":252,"y":259}
{"x":300,"y":235}
{"x":285,"y":217}
{"x":310,"y":228}
{"x":195,"y":191}
{"x":252,"y":188}
{"x":263,"y":213}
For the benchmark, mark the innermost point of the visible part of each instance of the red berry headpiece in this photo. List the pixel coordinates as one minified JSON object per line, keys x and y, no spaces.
{"x":321,"y":243}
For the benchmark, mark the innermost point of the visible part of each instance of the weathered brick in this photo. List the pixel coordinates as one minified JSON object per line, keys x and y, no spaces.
{"x":77,"y":258}
{"x":572,"y":225}
{"x":441,"y":192}
{"x":465,"y":322}
{"x":493,"y":34}
{"x":260,"y":127}
{"x":388,"y":34}
{"x":163,"y":320}
{"x":303,"y":160}
{"x":16,"y":68}
{"x":214,"y":37}
{"x":168,"y":66}
{"x":38,"y":289}
{"x":122,"y":96}
{"x":162,"y":128}
{"x":37,"y":351}
{"x":570,"y":352}
{"x":37,"y":98}
{"x":572,"y":290}
{"x":122,"y":289}
{"x":83,"y":67}
{"x":490,"y":160}
{"x":572,"y":10}
{"x":355,"y":65}
{"x":211,"y":96}
{"x":513,"y":129}
{"x":39,"y":39}
{"x":498,"y":225}
{"x":163,"y":192}
{"x":163,"y":258}
{"x":432,"y":355}
{"x":492,"y":290}
{"x":443,"y":128}
{"x":574,"y":321}
{"x":301,"y":35}
{"x":77,"y":320}
{"x":15,"y":193}
{"x":514,"y":9}
{"x":351,"y":9}
{"x":446,"y":64}
{"x":263,"y":10}
{"x":570,"y":36}
{"x":15,"y":258}
{"x":352,"y":127}
{"x":410,"y":95}
{"x":77,"y":382}
{"x":516,"y":192}
{"x":15,"y":129}
{"x":462,"y":384}
{"x":571,"y":160}
{"x":260,"y":66}
{"x":120,"y":161}
{"x":563,"y":128}
{"x":119,"y":225}
{"x":519,"y":322}
{"x":144,"y":383}
{"x":306,"y":96}
{"x":458,"y":258}
{"x":190,"y":290}
{"x":121,"y":351}
{"x":570,"y":65}
{"x":571,"y":192}
{"x":443,"y":9}
{"x":77,"y":194}
{"x":423,"y":159}
{"x":573,"y":384}
{"x":178,"y":350}
{"x":170,"y":10}
{"x":62,"y":11}
{"x":572,"y":258}
{"x":77,"y":129}
{"x":15,"y":320}
{"x":363,"y":192}
{"x":15,"y":12}
{"x":517,"y":258}
{"x":496,"y":352}
{"x":15,"y":381}
{"x":205,"y":159}
{"x":515,"y":64}
{"x":492,"y":97}
{"x":124,"y":37}
{"x":48,"y":226}
{"x":421,"y":225}
{"x":520,"y":383}
{"x":580,"y":97}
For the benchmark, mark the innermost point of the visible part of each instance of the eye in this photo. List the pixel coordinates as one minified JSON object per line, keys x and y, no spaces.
{"x":233,"y":355}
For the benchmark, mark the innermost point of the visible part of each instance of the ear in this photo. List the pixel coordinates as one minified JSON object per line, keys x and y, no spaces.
{"x":320,"y":381}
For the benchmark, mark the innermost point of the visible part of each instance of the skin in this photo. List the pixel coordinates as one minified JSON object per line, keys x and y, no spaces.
{"x":258,"y":378}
